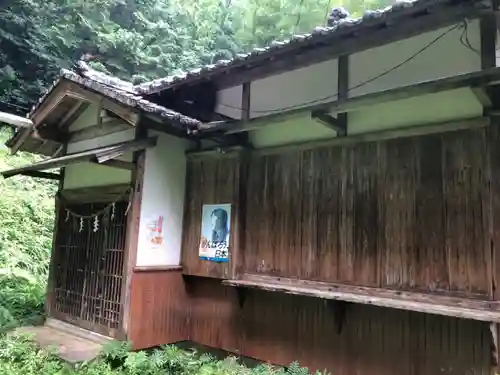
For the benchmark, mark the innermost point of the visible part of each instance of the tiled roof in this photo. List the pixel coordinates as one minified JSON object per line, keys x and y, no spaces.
{"x":132,"y":95}
{"x":341,"y":26}
{"x":118,"y":90}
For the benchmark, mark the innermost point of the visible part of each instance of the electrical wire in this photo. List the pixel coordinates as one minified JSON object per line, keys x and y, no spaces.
{"x":464,"y":39}
{"x":370,"y":80}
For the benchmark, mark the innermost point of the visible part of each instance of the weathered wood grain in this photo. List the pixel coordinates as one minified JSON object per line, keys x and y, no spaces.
{"x":474,"y":309}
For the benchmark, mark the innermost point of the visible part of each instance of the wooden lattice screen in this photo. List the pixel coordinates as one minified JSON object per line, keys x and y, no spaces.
{"x":88,"y":267}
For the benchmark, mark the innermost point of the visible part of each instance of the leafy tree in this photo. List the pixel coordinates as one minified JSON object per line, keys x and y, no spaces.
{"x":143,"y":39}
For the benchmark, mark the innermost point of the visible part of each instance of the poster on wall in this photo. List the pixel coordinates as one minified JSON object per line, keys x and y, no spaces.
{"x":154,"y":231}
{"x":215,"y":230}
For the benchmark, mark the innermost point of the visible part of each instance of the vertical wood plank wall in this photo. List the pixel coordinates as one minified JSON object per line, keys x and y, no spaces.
{"x":410,"y":213}
{"x":280,"y":329}
{"x":208,"y":181}
{"x":407,"y":213}
{"x":415,"y":213}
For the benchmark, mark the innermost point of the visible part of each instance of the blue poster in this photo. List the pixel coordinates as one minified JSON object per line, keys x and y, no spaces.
{"x":215,"y":230}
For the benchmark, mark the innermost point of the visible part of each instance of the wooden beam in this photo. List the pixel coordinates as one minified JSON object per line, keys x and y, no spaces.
{"x":488,"y":32}
{"x":39,"y":174}
{"x":347,"y":44}
{"x":85,"y":156}
{"x":133,"y":227}
{"x":99,"y":130}
{"x":474,"y":79}
{"x":162,"y":127}
{"x":488,"y":35}
{"x":494,"y":343}
{"x":130,"y":115}
{"x":108,"y":193}
{"x":49,"y":104}
{"x":339,"y":309}
{"x":245,"y":101}
{"x":54,"y":99}
{"x":78,"y":108}
{"x":58,"y":151}
{"x":331,"y":122}
{"x":116,"y":163}
{"x":376,"y":136}
{"x":482,"y":96}
{"x":343,"y":92}
{"x":436,"y":304}
{"x":402,"y":24}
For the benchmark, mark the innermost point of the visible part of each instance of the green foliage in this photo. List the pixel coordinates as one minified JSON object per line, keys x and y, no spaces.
{"x":26,"y":224}
{"x":136,"y":40}
{"x":18,"y":355}
{"x":145,"y":39}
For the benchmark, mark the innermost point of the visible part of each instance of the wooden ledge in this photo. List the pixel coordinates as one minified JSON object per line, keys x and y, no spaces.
{"x":458,"y":307}
{"x":157,"y":268}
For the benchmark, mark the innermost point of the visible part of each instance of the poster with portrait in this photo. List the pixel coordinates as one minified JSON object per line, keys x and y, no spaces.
{"x":215,"y":231}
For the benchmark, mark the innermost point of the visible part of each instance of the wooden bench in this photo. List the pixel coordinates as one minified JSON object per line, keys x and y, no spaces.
{"x":438,"y":304}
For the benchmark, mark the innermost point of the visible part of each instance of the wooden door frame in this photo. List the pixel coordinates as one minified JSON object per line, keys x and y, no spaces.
{"x":94,"y":194}
{"x":132,"y":234}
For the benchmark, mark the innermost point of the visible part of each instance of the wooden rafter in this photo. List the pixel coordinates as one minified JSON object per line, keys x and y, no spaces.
{"x":128,"y":114}
{"x":476,"y":79}
{"x":40,"y":174}
{"x":85,"y":156}
{"x":97,"y":130}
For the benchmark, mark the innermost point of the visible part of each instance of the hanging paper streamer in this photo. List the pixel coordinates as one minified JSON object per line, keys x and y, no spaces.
{"x":96,"y":223}
{"x":81,"y":224}
{"x":113,"y":207}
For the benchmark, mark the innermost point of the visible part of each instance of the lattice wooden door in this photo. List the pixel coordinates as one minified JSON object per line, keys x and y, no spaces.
{"x":88,"y":268}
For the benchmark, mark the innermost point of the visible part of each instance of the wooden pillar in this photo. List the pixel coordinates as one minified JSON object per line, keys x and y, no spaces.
{"x":50,"y":296}
{"x":238,"y":253}
{"x":343,"y":91}
{"x":133,"y":225}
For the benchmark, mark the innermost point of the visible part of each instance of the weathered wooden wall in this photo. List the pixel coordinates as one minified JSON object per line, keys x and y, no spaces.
{"x":159,"y":308}
{"x":282,"y":328}
{"x":411,"y":213}
{"x":417,"y":213}
{"x":208,"y":181}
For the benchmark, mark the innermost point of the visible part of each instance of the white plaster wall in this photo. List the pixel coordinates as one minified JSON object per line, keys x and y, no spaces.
{"x":163,"y":194}
{"x":299,"y":129}
{"x":86,"y":174}
{"x":86,"y":119}
{"x":444,"y":58}
{"x":229,"y":102}
{"x":420,"y":110}
{"x":446,"y":106}
{"x":316,"y":83}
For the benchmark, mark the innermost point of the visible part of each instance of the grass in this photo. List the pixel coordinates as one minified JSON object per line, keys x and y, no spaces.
{"x":26,"y":225}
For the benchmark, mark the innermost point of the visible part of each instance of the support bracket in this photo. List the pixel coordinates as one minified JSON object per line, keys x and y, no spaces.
{"x":339,"y":313}
{"x":241,"y":293}
{"x":339,"y":123}
{"x":494,"y":343}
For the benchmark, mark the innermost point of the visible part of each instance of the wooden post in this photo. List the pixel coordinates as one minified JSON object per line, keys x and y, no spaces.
{"x":50,"y":292}
{"x":343,"y":90}
{"x":238,"y":253}
{"x":132,"y":237}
